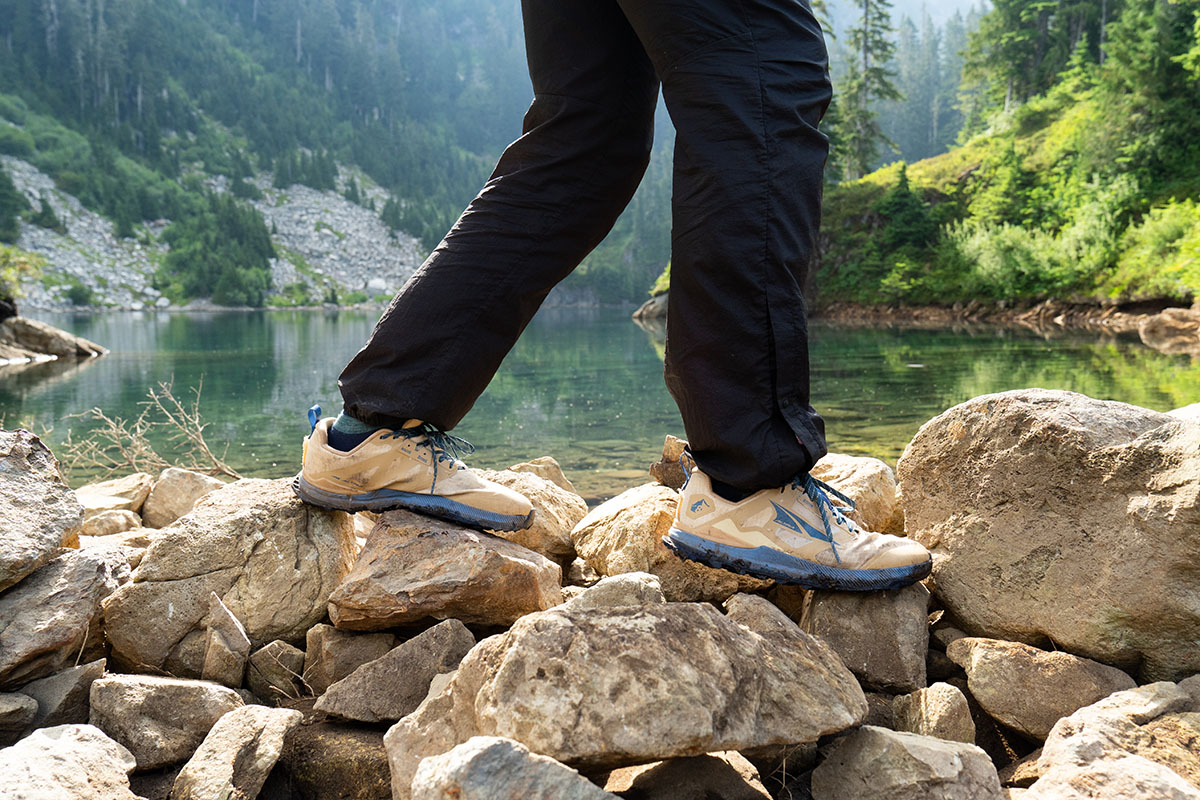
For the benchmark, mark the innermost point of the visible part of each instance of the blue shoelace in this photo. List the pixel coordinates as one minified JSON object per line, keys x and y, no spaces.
{"x":444,"y":446}
{"x":818,"y":491}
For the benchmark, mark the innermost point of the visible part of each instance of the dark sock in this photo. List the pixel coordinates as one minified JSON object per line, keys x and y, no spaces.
{"x":347,"y":433}
{"x":730,"y":493}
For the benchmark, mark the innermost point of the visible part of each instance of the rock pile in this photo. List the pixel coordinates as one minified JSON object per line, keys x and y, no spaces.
{"x":261,"y":648}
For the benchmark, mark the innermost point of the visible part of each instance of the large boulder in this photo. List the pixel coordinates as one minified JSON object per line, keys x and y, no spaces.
{"x":1125,"y":778}
{"x":625,"y":534}
{"x":605,"y":687}
{"x":414,"y":567}
{"x":1053,"y":517}
{"x":271,"y":560}
{"x":882,"y":636}
{"x":48,"y":618}
{"x":38,"y":511}
{"x":1157,"y":722}
{"x":491,"y":768}
{"x":872,"y":486}
{"x":236,"y":756}
{"x":161,"y":720}
{"x":555,"y":513}
{"x":1029,"y":689}
{"x":391,"y":687}
{"x":68,"y":762}
{"x":877,"y":764}
{"x":176,"y":493}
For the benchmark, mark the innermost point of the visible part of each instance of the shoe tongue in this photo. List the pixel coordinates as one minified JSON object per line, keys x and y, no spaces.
{"x":412,"y":423}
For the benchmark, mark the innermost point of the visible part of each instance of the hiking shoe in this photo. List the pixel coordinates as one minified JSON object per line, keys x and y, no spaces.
{"x":417,"y":467}
{"x":792,"y":535}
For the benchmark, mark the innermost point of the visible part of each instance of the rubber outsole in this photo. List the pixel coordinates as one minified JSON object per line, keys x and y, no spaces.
{"x":392,"y":499}
{"x":765,"y":562}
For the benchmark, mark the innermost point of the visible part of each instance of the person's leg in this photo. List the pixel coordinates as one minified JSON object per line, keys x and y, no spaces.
{"x":554,"y":195}
{"x":746,"y":83}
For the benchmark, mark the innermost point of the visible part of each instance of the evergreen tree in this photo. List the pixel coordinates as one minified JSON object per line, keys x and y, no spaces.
{"x":868,"y":80}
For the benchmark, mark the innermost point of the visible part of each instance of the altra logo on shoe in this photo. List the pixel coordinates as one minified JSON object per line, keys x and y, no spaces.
{"x":699,"y":504}
{"x":789,"y":520}
{"x":358,"y":483}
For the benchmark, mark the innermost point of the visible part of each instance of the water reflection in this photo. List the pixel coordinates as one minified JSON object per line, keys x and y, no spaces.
{"x":582,"y":385}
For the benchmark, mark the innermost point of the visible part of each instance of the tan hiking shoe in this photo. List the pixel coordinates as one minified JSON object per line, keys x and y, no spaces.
{"x":416,"y":467}
{"x":792,"y":535}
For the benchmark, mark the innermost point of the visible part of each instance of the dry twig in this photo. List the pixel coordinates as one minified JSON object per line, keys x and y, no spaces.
{"x":120,"y":446}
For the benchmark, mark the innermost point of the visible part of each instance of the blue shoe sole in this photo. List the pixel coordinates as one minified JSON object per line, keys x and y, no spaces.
{"x":391,"y":499}
{"x":765,"y":562}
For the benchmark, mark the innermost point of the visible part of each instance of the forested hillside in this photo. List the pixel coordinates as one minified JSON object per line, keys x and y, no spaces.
{"x":1078,"y":178}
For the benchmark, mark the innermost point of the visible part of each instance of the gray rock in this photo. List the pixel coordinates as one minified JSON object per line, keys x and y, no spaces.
{"x":1155,"y":722}
{"x":126,"y":493}
{"x":491,"y":768}
{"x":548,"y":468}
{"x":67,"y":762}
{"x":48,"y":618}
{"x":758,"y":614}
{"x":940,"y":711}
{"x":160,"y":720}
{"x":38,"y":512}
{"x":609,"y":687}
{"x":555,"y":513}
{"x":728,"y":776}
{"x":629,"y":589}
{"x":272,"y":560}
{"x":227,"y":648}
{"x":176,"y":493}
{"x":391,"y":687}
{"x":62,"y":698}
{"x":1029,"y":689}
{"x":1192,"y":685}
{"x":1026,"y":497}
{"x":415,"y":567}
{"x":882,"y":636}
{"x":17,"y":711}
{"x":1123,"y":778}
{"x":938,"y":667}
{"x":624,"y":534}
{"x":878,"y":764}
{"x":107,"y":523}
{"x":275,"y":672}
{"x":330,"y":654}
{"x":236,"y":756}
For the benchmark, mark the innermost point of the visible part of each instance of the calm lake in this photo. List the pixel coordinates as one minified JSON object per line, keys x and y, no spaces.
{"x":582,"y":385}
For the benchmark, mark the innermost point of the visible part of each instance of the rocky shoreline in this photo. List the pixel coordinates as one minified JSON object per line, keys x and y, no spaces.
{"x":1167,"y":329}
{"x":176,"y":636}
{"x":27,"y":341}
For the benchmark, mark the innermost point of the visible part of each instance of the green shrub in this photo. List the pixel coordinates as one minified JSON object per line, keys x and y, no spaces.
{"x":16,"y":265}
{"x":13,"y":108}
{"x":15,"y":142}
{"x":78,"y":293}
{"x":12,"y":203}
{"x":46,"y":218}
{"x":663,"y":283}
{"x":1159,"y":257}
{"x":354,"y":298}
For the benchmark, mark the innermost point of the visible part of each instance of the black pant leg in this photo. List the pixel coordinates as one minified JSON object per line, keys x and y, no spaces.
{"x":746,"y":83}
{"x":554,"y":195}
